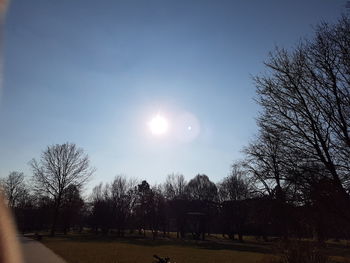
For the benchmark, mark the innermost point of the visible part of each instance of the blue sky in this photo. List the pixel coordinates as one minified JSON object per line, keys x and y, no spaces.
{"x":95,"y":72}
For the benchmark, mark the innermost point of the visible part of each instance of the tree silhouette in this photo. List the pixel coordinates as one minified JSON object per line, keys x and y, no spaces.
{"x":60,"y":166}
{"x":235,"y":186}
{"x":14,"y":187}
{"x":174,"y":186}
{"x":306,"y":97}
{"x":201,"y":188}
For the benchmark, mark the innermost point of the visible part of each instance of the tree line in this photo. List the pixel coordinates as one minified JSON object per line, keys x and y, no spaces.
{"x":293,"y":181}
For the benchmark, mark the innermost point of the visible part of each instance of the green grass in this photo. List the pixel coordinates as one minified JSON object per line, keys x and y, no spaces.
{"x":89,"y":248}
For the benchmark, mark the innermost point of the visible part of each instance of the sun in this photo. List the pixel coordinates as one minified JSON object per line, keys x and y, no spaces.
{"x":158,"y":125}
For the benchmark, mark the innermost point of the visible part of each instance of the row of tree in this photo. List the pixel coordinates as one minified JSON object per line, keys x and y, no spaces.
{"x":194,"y":209}
{"x":294,"y":179}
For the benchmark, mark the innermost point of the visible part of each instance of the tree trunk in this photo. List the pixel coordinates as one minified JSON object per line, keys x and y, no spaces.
{"x":240,"y":237}
{"x":54,"y":222}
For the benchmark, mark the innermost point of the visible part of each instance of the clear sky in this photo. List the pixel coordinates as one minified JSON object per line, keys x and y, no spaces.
{"x":95,"y":73}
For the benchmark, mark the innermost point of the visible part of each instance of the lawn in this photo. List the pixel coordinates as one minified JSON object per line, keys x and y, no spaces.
{"x":88,"y":249}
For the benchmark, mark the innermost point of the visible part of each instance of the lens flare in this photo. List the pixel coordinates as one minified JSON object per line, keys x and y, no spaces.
{"x":187,"y":127}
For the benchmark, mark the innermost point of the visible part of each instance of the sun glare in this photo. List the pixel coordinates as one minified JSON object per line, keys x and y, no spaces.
{"x":158,"y":125}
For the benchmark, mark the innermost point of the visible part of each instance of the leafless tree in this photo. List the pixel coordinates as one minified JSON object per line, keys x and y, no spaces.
{"x":235,"y":186}
{"x":14,"y":187}
{"x":174,"y":186}
{"x":306,"y":97}
{"x":60,"y":166}
{"x":267,"y":162}
{"x":123,"y":199}
{"x":120,"y":187}
{"x":97,"y":193}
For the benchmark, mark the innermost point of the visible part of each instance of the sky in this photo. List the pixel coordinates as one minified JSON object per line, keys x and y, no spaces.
{"x":95,"y":73}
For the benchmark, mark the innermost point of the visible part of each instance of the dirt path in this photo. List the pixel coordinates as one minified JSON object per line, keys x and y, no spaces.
{"x":35,"y":252}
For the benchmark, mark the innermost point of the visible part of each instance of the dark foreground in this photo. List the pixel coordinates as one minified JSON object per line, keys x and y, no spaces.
{"x":91,"y":248}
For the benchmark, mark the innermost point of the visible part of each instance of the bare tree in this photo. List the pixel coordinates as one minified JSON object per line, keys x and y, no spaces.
{"x":174,"y":186}
{"x":306,"y":96}
{"x":60,"y":166}
{"x":305,"y":120}
{"x":266,"y":160}
{"x":121,"y":194}
{"x":14,"y":187}
{"x":101,"y":208}
{"x":235,"y":186}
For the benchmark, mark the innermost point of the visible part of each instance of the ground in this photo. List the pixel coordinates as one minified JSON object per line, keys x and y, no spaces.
{"x":89,"y":248}
{"x":35,"y":252}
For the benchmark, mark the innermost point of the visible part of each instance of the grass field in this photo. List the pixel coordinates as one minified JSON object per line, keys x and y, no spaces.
{"x":89,"y":248}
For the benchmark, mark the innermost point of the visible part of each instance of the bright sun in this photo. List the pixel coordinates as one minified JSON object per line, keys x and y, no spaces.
{"x":158,"y":125}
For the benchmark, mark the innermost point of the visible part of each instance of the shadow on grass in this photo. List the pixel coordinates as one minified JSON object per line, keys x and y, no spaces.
{"x":339,"y":250}
{"x":248,"y":246}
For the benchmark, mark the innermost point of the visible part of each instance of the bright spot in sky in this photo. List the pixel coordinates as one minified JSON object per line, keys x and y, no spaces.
{"x":158,"y":125}
{"x":186,"y":127}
